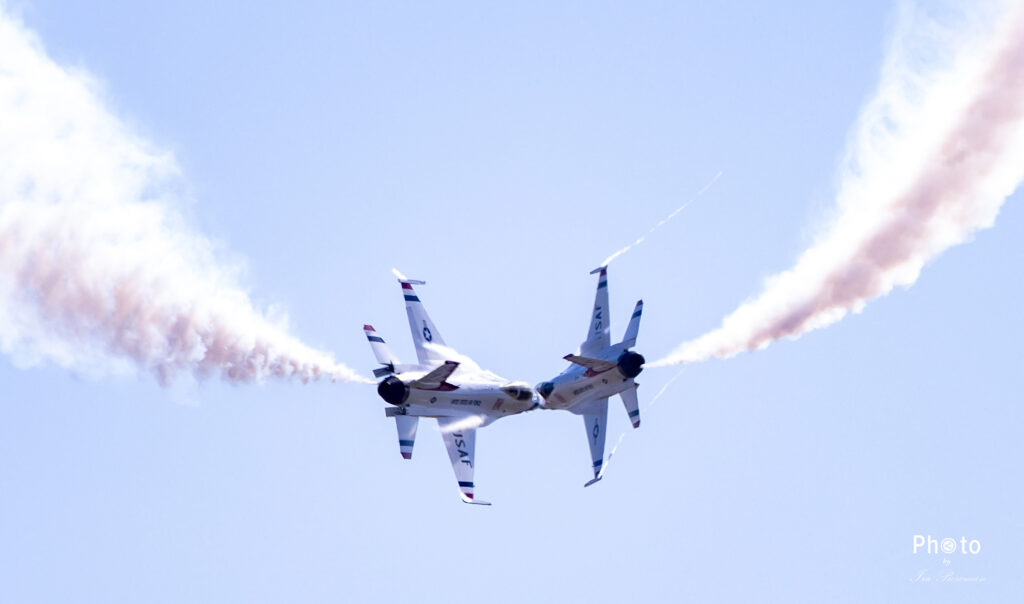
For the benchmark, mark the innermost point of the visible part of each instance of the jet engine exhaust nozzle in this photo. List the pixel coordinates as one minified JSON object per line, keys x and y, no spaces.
{"x":631,"y":363}
{"x":393,"y":391}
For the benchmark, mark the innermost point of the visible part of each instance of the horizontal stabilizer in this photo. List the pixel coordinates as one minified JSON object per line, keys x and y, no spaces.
{"x":407,"y":425}
{"x":435,"y":380}
{"x":596,"y":364}
{"x":629,"y":399}
{"x":591,"y":481}
{"x":380,"y":350}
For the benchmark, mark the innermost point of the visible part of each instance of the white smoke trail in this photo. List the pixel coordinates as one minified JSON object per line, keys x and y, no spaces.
{"x":469,"y":371}
{"x":98,"y":272}
{"x":932,"y":158}
{"x":467,"y":423}
{"x":663,"y":221}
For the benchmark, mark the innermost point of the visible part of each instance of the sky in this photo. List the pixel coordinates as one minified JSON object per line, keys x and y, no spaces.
{"x":500,"y":153}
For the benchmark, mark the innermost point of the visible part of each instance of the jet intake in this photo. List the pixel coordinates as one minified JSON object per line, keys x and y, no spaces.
{"x":393,"y":391}
{"x":631,"y":363}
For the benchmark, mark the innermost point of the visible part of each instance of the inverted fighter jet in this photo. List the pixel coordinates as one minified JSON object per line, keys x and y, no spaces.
{"x":461,"y":403}
{"x":597,"y":372}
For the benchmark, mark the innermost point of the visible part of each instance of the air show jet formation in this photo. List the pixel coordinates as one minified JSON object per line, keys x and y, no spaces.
{"x":460,"y":403}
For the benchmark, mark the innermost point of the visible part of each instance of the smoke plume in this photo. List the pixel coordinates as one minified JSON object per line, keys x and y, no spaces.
{"x":98,"y":271}
{"x":930,"y":161}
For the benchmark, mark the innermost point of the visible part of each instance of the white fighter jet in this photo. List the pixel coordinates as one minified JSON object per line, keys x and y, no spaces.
{"x":598,"y":371}
{"x":471,"y":399}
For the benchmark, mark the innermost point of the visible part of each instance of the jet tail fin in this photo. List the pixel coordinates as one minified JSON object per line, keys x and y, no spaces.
{"x":382,"y":351}
{"x":435,"y":380}
{"x":595,"y":365}
{"x":406,"y":425}
{"x":633,"y":329}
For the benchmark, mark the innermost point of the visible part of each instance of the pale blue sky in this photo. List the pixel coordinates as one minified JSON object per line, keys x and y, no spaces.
{"x":499,"y":153}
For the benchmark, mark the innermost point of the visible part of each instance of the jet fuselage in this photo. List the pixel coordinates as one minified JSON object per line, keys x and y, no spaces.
{"x":447,"y":399}
{"x":576,"y":386}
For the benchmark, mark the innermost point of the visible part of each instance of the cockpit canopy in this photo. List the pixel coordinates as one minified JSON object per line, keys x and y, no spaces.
{"x":519,"y":391}
{"x":545,"y":388}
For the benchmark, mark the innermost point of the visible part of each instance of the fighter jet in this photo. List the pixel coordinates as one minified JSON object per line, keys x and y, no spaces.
{"x":461,"y":403}
{"x":598,"y":371}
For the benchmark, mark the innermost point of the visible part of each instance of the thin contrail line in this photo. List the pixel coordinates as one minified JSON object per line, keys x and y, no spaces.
{"x":647,"y":407}
{"x":664,"y":220}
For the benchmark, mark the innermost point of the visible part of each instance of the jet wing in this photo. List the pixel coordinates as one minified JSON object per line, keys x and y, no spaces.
{"x":599,"y":335}
{"x":423,"y":329}
{"x":461,"y":445}
{"x":596,"y":365}
{"x":435,"y":380}
{"x":595,"y":422}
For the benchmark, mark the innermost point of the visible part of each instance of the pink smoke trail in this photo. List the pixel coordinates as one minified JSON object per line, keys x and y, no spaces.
{"x":98,"y":272}
{"x":934,"y":156}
